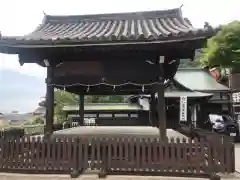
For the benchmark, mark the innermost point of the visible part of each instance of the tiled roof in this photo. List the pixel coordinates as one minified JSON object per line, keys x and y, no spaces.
{"x":124,"y":27}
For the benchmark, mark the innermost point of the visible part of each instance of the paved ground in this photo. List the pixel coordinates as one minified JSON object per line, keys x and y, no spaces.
{"x":237,"y":157}
{"x":85,"y":177}
{"x":94,"y":177}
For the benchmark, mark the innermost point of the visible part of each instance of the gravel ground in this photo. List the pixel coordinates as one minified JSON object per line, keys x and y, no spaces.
{"x":118,"y":131}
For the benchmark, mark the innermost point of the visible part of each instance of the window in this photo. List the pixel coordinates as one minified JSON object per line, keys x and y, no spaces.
{"x":121,"y":115}
{"x":90,"y":115}
{"x":134,"y":115}
{"x":89,"y":121}
{"x":105,"y":115}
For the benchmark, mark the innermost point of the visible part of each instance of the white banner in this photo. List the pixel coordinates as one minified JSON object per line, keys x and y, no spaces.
{"x":183,"y":108}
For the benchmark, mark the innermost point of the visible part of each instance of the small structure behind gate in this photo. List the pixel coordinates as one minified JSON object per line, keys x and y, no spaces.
{"x":147,"y":156}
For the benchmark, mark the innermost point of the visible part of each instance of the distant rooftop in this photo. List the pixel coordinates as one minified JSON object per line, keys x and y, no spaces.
{"x":104,"y":107}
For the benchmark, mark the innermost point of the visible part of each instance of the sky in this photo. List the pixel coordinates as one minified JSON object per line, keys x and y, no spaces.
{"x":19,"y":17}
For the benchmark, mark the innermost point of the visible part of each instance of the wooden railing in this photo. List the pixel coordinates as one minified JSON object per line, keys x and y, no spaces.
{"x":116,"y":155}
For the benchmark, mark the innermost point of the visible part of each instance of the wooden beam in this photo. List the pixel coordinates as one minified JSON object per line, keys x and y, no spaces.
{"x":178,"y":50}
{"x":105,"y":90}
{"x":49,"y":102}
{"x":117,"y":56}
{"x":81,"y":108}
{"x":111,"y":92}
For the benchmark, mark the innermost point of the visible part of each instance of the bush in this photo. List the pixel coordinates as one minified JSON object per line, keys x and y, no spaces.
{"x":38,"y":120}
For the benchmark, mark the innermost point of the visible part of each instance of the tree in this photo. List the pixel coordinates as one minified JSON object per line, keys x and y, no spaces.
{"x":223,"y":49}
{"x":35,"y":120}
{"x":63,"y":98}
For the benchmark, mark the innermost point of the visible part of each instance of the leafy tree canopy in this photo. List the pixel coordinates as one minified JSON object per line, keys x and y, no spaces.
{"x":223,"y":49}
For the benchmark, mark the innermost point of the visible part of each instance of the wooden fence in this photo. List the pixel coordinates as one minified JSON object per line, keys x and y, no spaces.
{"x":116,"y":155}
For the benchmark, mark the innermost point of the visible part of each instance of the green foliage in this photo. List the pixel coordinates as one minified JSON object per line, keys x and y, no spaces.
{"x":104,"y":99}
{"x":28,"y":123}
{"x":39,"y":120}
{"x":63,"y":98}
{"x":35,"y":120}
{"x":223,"y":49}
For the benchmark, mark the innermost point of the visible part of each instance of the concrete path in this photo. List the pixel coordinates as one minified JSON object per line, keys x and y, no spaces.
{"x":237,"y":157}
{"x":84,"y":177}
{"x":6,"y":176}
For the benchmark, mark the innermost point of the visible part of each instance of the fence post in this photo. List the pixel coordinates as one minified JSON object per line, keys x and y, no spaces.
{"x":213,"y":157}
{"x":75,"y":172}
{"x":233,"y":156}
{"x":228,"y":142}
{"x":103,"y":170}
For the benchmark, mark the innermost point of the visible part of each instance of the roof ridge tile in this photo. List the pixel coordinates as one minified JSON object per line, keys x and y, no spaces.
{"x":113,"y":16}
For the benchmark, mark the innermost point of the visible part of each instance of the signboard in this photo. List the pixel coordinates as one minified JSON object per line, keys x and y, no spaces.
{"x":183,"y":108}
{"x":236,"y":103}
{"x":236,"y":97}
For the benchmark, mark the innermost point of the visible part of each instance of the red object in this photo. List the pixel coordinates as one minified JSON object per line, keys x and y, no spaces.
{"x":215,"y":73}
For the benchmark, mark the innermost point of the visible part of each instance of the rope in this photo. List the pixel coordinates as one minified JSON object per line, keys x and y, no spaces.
{"x":106,"y":84}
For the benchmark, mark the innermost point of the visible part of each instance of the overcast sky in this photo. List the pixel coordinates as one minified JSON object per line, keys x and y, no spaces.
{"x":19,"y":17}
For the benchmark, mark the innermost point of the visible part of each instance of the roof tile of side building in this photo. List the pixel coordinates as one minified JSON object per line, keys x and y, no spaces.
{"x":198,"y":79}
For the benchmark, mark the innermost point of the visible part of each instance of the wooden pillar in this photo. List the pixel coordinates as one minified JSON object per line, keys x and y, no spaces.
{"x":153,"y":109}
{"x":49,"y":102}
{"x":81,"y":109}
{"x":161,"y":111}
